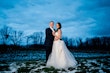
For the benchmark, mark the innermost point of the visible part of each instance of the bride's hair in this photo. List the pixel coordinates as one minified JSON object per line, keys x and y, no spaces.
{"x":59,"y":25}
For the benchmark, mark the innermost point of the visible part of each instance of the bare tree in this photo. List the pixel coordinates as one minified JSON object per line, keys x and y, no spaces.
{"x":37,"y":37}
{"x":28,"y":39}
{"x":41,"y":38}
{"x":66,"y":40}
{"x":16,"y":37}
{"x":5,"y":34}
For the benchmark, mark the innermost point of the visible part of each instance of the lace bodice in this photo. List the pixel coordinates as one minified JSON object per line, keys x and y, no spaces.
{"x":57,"y":34}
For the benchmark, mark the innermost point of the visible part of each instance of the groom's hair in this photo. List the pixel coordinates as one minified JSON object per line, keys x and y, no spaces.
{"x":51,"y":21}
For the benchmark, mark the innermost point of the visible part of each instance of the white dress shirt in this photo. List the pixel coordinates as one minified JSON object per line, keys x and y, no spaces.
{"x":52,"y":29}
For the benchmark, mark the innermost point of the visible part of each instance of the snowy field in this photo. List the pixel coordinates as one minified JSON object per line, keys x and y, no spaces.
{"x":38,"y":66}
{"x":40,"y":55}
{"x":34,"y":62}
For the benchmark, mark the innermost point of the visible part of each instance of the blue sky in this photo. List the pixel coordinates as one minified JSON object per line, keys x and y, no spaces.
{"x":79,"y":18}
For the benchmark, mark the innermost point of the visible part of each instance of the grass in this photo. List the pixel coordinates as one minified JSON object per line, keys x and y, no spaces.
{"x":48,"y":69}
{"x":4,"y":68}
{"x":71,"y":68}
{"x":84,"y":65}
{"x":94,"y":64}
{"x":24,"y":69}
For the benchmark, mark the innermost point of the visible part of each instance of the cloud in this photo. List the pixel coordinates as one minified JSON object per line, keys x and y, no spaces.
{"x":99,"y":11}
{"x":83,"y":17}
{"x":8,"y":4}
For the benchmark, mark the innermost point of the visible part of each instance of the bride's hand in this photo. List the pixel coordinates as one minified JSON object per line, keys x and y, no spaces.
{"x":55,"y":39}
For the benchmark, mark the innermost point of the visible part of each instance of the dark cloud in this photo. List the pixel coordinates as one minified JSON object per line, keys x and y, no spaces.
{"x":7,"y":4}
{"x":99,"y":10}
{"x":94,"y":4}
{"x":82,"y":17}
{"x":3,"y":15}
{"x":104,"y":3}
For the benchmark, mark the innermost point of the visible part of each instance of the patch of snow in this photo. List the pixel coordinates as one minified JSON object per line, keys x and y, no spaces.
{"x":13,"y":67}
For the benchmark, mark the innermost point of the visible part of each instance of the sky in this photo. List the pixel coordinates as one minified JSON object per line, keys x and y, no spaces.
{"x":79,"y":18}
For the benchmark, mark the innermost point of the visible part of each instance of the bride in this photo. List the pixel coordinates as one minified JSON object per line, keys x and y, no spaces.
{"x":60,"y":57}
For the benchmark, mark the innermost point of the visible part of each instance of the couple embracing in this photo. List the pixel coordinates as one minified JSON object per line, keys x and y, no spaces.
{"x":57,"y":54}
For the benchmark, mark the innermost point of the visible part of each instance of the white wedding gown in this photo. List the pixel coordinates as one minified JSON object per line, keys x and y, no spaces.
{"x":61,"y":57}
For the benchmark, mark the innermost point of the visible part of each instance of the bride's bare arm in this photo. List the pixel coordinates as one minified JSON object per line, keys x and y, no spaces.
{"x":59,"y":35}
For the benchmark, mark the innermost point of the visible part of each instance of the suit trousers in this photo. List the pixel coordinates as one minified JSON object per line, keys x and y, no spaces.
{"x":48,"y":51}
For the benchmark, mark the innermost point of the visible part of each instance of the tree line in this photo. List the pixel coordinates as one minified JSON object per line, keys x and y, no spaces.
{"x":10,"y":38}
{"x":96,"y":43}
{"x":13,"y":39}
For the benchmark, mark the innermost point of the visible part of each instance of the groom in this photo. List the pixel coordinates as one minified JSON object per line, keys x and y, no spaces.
{"x":49,"y":39}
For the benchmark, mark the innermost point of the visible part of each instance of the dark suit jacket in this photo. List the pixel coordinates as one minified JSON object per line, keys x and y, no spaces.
{"x":49,"y":37}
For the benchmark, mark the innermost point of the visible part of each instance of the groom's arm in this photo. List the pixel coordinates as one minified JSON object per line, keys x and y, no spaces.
{"x":48,"y":33}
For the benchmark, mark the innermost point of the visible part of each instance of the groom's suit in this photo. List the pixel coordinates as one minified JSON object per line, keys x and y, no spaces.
{"x":48,"y":42}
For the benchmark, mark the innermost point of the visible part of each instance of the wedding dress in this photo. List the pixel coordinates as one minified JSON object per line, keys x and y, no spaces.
{"x":61,"y":57}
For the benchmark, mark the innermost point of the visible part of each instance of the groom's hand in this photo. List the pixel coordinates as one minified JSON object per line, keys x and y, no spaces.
{"x":53,"y":33}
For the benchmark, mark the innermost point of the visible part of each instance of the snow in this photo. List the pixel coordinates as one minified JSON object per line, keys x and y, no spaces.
{"x":36,"y":55}
{"x":83,"y":66}
{"x":35,"y":61}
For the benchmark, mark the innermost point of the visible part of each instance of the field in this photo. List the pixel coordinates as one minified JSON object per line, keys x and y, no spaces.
{"x":34,"y":62}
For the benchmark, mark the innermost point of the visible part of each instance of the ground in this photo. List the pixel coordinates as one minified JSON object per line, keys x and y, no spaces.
{"x":85,"y":65}
{"x":34,"y":62}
